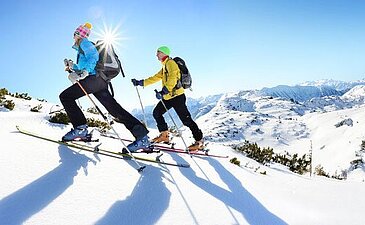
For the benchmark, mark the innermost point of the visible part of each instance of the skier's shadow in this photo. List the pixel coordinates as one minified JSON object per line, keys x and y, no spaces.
{"x":19,"y":206}
{"x":237,"y":197}
{"x":145,"y":205}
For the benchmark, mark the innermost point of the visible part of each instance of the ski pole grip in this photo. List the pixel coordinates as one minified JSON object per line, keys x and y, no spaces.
{"x":65,"y":61}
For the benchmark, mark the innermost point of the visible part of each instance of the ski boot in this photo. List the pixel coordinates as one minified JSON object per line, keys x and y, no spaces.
{"x":162,"y":138}
{"x":142,"y":143}
{"x":79,"y":133}
{"x":197,"y":146}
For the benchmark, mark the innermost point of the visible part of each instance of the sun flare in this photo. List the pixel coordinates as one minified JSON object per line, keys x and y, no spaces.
{"x":110,"y":35}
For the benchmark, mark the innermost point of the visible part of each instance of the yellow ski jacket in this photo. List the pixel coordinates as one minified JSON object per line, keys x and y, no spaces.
{"x":169,"y":74}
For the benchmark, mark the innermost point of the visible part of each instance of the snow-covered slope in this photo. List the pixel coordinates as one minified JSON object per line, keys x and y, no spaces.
{"x":291,"y":126}
{"x":46,"y":183}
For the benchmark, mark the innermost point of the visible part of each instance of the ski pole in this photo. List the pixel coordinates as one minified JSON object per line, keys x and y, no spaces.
{"x":144,"y":114}
{"x":140,"y":169}
{"x":178,"y":130}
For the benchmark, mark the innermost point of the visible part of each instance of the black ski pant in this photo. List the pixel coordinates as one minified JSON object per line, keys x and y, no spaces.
{"x":179,"y":105}
{"x":99,"y":88}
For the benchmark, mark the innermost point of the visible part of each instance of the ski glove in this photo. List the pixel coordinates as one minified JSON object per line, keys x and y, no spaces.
{"x":79,"y":75}
{"x":137,"y":82}
{"x":160,"y":94}
{"x":69,"y":65}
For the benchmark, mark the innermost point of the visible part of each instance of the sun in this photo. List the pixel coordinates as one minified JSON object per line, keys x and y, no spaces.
{"x":110,"y":35}
{"x":110,"y":38}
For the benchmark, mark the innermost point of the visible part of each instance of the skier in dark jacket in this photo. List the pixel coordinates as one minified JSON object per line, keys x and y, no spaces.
{"x":85,"y":73}
{"x":172,"y":97}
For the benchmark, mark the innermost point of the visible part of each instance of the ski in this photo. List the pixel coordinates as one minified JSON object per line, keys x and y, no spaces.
{"x":157,"y":148}
{"x":161,"y":147}
{"x":199,"y":153}
{"x":104,"y":152}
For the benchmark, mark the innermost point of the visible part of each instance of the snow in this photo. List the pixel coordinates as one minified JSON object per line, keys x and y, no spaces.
{"x":47,"y":183}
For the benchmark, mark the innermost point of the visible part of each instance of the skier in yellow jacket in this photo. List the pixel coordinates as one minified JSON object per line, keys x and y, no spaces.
{"x":172,"y":97}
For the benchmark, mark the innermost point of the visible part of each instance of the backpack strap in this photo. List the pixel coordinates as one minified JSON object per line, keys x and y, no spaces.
{"x":111,"y":89}
{"x":102,"y":75}
{"x":178,"y":83}
{"x":79,"y":51}
{"x":164,"y":70}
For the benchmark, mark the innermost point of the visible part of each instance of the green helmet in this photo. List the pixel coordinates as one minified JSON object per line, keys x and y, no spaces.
{"x":164,"y":49}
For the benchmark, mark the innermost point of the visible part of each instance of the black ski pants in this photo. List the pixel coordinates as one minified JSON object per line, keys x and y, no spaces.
{"x":99,"y":88}
{"x":179,"y":105}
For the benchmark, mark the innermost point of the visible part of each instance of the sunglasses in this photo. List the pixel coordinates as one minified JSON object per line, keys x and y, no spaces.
{"x":77,"y":33}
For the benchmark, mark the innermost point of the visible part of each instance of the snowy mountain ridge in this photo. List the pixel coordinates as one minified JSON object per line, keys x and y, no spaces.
{"x":323,"y":95}
{"x":335,"y":84}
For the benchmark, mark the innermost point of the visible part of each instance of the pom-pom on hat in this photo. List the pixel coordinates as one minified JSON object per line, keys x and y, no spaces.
{"x":83,"y":31}
{"x":164,"y":49}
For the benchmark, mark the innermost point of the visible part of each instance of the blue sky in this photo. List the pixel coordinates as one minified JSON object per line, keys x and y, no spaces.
{"x":228,"y":45}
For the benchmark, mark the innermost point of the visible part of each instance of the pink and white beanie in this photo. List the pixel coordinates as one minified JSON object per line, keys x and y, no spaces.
{"x":83,"y":31}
